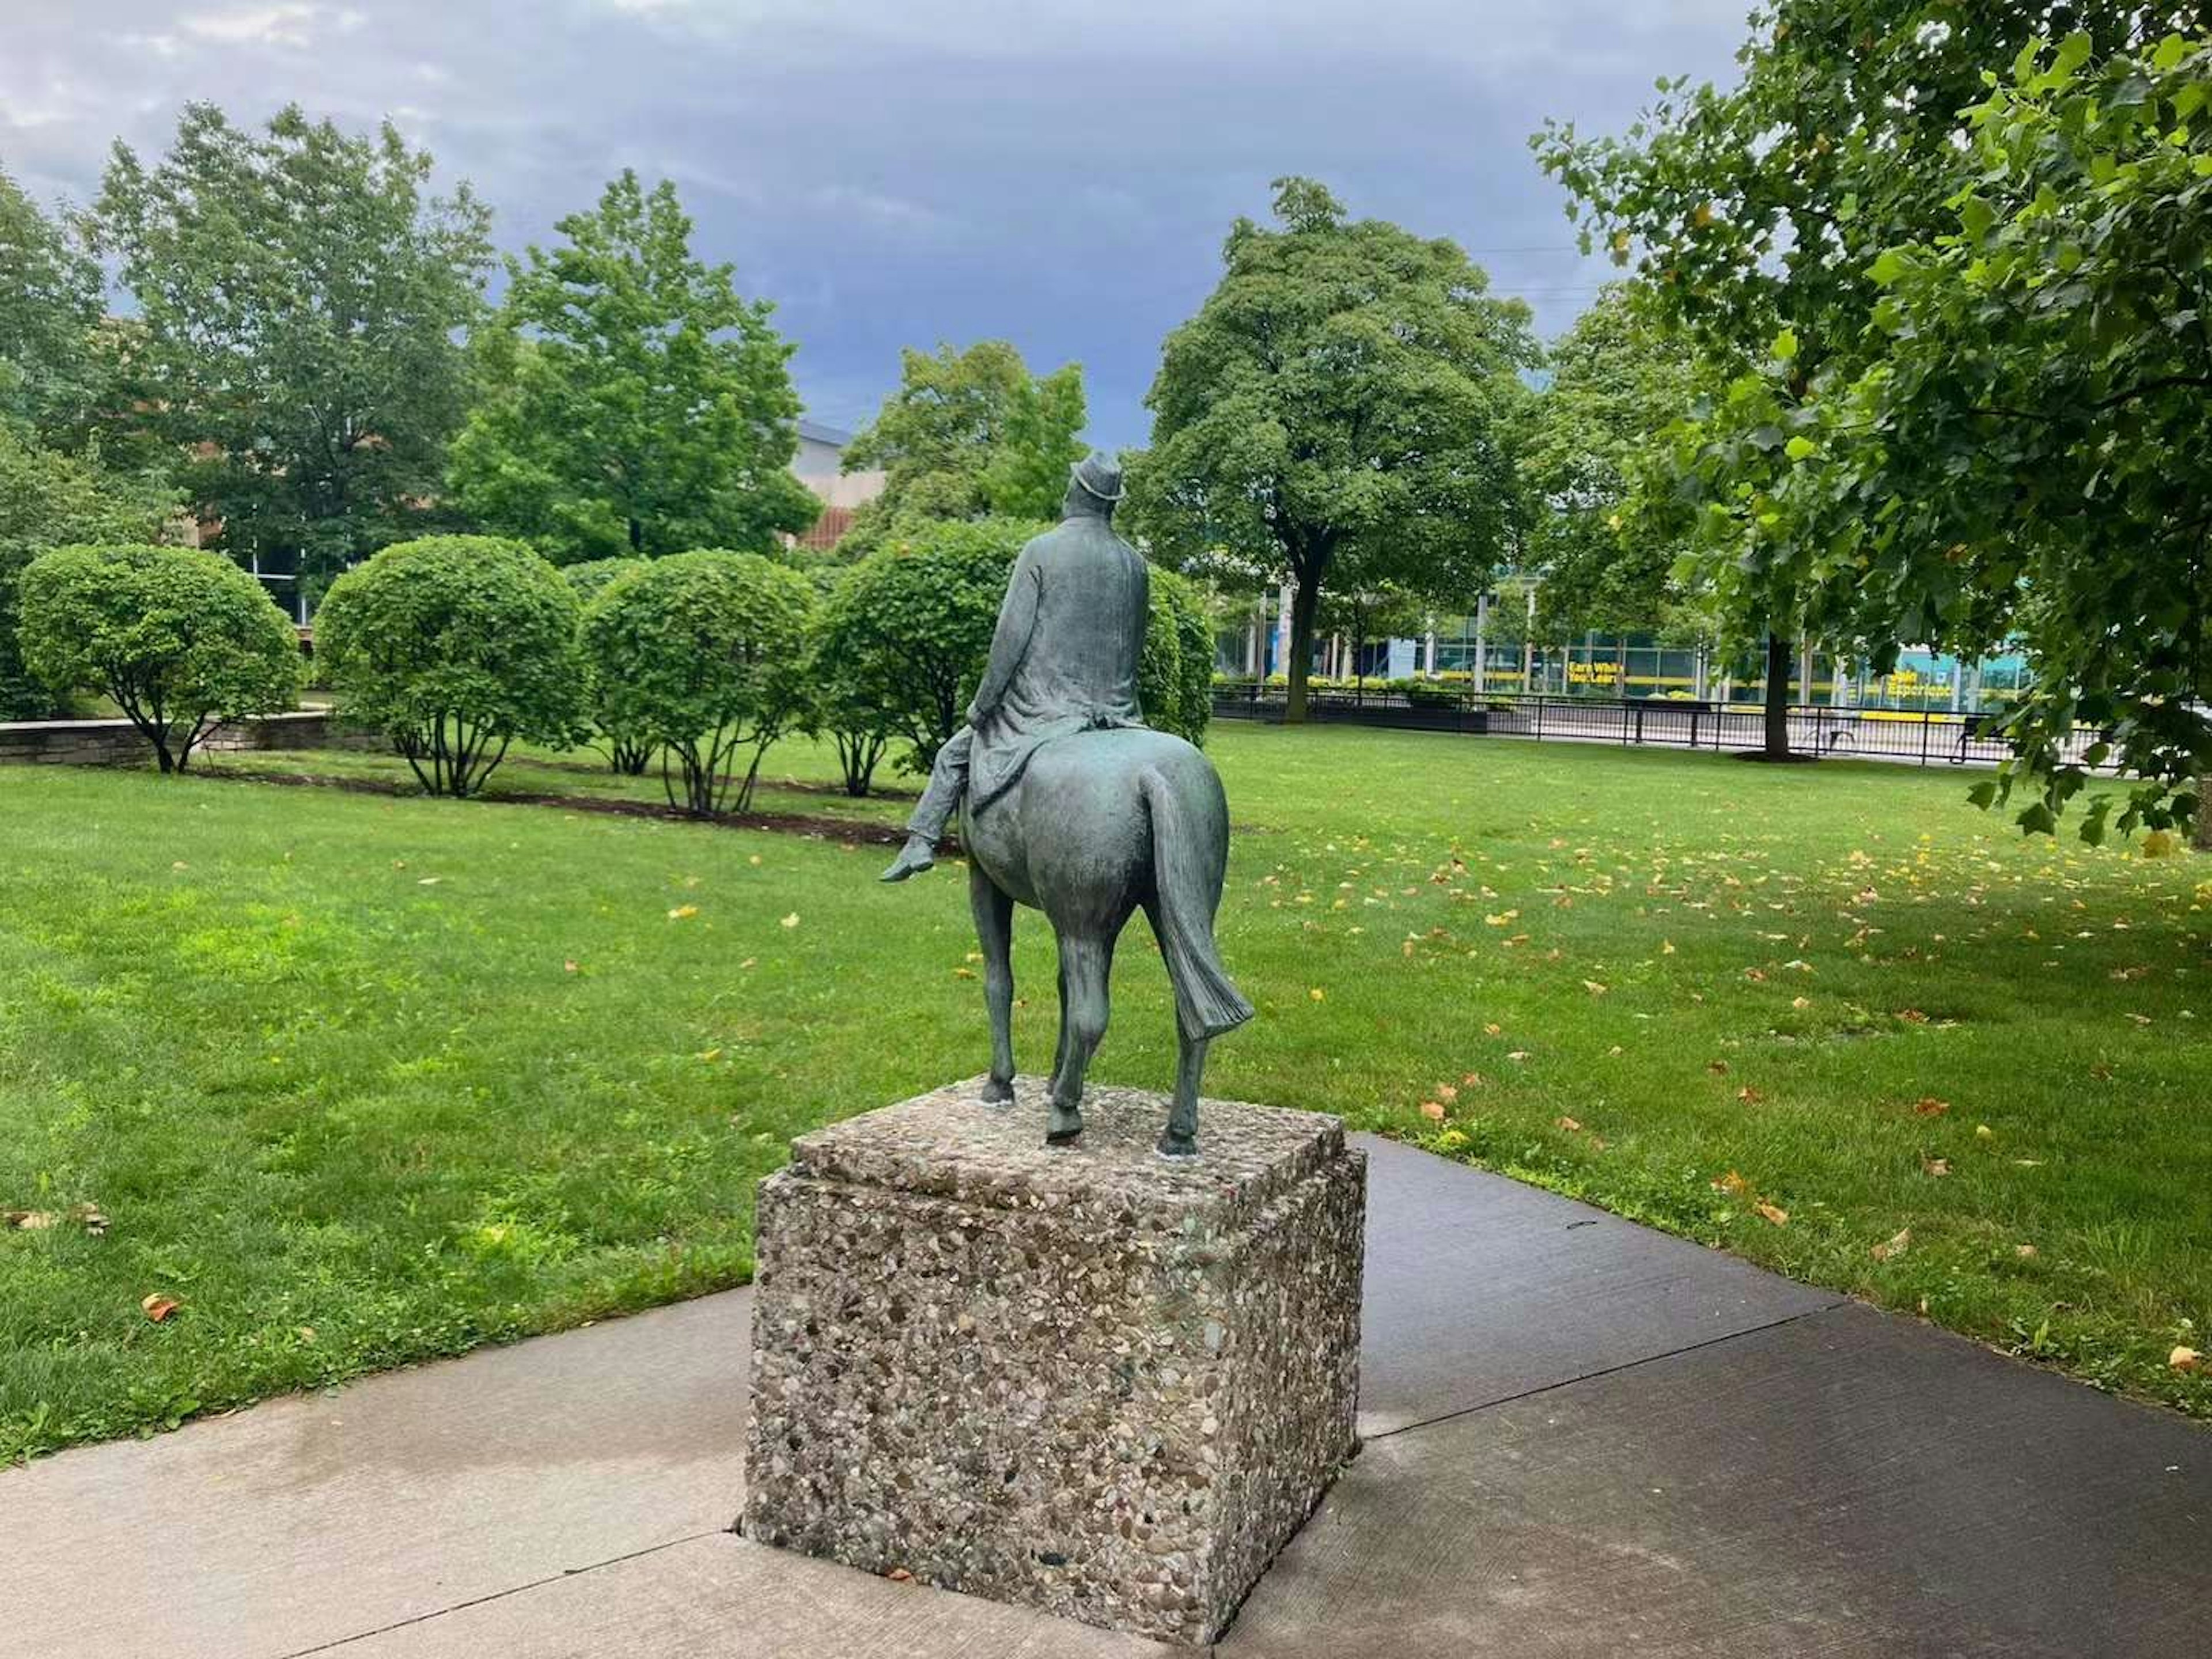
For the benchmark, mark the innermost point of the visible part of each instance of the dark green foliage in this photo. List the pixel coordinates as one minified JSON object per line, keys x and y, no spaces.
{"x":1344,"y":408}
{"x":298,"y":294}
{"x":2020,"y":443}
{"x":1608,"y":531}
{"x":1759,"y":215}
{"x":1175,"y":680}
{"x":907,"y":631}
{"x":455,"y":646}
{"x":626,"y":752}
{"x":180,"y":639}
{"x":704,"y":653}
{"x":49,"y":499}
{"x":971,"y":434}
{"x":49,"y":305}
{"x":630,"y":399}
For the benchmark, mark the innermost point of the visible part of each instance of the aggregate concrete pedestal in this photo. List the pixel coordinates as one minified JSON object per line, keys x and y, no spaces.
{"x":1088,"y":1379}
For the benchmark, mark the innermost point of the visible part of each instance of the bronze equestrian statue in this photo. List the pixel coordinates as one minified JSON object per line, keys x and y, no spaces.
{"x":1072,"y":805}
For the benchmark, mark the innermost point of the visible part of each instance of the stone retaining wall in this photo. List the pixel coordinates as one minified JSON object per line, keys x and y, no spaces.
{"x":117,"y":742}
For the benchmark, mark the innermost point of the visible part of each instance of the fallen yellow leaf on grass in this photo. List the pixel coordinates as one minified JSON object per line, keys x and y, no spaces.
{"x":792,"y":920}
{"x":1568,"y":1123}
{"x":1749,"y":1095}
{"x":1447,"y":1093}
{"x":1432,"y":1110}
{"x":1593,"y":987}
{"x":1935,"y":1166}
{"x":2024,"y":1252}
{"x":158,"y":1307}
{"x":1982,"y":1132}
{"x":1928,"y":1106}
{"x":2185,"y":1359}
{"x":683,"y":911}
{"x":1897,"y":1245}
{"x":1733,"y":1183}
{"x":1318,"y":994}
{"x":964,"y":973}
{"x":1773,"y":1213}
{"x":1492,"y":1030}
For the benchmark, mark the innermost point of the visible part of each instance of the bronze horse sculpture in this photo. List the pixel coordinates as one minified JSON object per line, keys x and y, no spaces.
{"x":1101,"y":825}
{"x":1071,"y":804}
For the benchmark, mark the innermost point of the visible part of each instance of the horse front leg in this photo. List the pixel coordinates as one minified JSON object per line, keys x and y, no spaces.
{"x":1086,"y":966}
{"x":1180,"y":1137}
{"x":995,"y":930}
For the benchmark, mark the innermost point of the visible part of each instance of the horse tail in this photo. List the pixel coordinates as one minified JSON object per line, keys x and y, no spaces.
{"x":1190,"y":853}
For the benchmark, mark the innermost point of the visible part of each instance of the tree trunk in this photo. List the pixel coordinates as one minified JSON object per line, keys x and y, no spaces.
{"x":1305,"y":600}
{"x":1778,"y":698}
{"x":2201,"y":837}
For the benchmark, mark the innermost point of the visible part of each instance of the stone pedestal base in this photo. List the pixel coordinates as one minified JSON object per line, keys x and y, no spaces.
{"x":1087,"y":1378}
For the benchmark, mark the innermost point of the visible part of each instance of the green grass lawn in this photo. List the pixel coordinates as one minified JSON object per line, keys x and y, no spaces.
{"x":358,"y":1080}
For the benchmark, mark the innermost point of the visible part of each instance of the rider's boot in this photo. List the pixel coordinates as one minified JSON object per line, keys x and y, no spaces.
{"x":920,"y":854}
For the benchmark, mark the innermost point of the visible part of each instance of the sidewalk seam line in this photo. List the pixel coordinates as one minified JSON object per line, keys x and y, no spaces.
{"x":1607,"y":1371}
{"x":498,"y":1594}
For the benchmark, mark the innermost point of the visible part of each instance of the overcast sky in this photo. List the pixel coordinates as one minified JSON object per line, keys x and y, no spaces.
{"x":903,"y":171}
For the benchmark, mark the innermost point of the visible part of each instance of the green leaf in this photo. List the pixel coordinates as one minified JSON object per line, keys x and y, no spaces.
{"x":1785,"y":344}
{"x":2171,"y":50}
{"x":1801,"y":449}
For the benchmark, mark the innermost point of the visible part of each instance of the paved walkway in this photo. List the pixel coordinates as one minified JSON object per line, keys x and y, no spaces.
{"x":1585,"y":1439}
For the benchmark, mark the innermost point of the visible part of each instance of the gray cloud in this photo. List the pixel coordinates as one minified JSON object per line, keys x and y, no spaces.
{"x":898,"y":174}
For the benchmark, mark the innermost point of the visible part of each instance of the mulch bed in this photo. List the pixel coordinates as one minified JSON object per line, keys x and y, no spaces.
{"x":789,"y":823}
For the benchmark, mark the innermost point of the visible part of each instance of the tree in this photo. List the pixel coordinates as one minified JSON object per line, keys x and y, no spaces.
{"x":51,"y":499}
{"x":630,"y":399}
{"x":972,"y":435}
{"x":50,"y":295}
{"x":181,"y":639}
{"x":1342,"y":409}
{"x":455,"y":646}
{"x":299,"y":296}
{"x":1607,"y":529}
{"x":1757,"y":212}
{"x":2021,"y":444}
{"x":705,"y":653}
{"x":628,"y":752}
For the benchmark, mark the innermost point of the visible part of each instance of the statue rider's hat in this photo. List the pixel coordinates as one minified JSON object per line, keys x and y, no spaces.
{"x":1100,"y":475}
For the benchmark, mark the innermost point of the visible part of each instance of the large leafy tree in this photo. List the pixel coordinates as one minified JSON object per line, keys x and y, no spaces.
{"x":50,"y":295}
{"x":2022,"y":439}
{"x":1757,"y":211}
{"x":970,"y":435}
{"x":630,"y":400}
{"x":298,"y":292}
{"x":1344,"y":408}
{"x":1606,"y":531}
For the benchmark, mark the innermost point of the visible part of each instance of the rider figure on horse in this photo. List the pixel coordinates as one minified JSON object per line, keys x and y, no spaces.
{"x":1063,"y":660}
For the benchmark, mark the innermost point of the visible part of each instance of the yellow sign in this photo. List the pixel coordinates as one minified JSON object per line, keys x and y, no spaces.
{"x":1593,"y":673}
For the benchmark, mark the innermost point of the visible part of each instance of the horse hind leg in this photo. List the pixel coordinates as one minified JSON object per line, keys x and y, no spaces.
{"x":1180,"y":1137}
{"x":995,"y":930}
{"x":1086,"y":966}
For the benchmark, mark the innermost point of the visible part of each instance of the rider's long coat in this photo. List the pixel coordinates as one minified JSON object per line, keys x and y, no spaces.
{"x":1064,"y":657}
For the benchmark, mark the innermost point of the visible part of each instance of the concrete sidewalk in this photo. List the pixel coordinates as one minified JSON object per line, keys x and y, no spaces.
{"x":1585,"y":1439}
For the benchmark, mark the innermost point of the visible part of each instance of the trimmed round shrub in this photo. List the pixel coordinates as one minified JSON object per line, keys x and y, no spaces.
{"x":1175,"y":681}
{"x":626,"y":752}
{"x":180,"y":639}
{"x":704,"y":655}
{"x":455,"y":646}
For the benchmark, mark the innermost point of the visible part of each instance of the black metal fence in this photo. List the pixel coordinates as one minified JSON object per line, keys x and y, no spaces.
{"x":1928,"y":737}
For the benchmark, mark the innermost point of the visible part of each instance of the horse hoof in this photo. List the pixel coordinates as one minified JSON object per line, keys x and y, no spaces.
{"x":1175,"y":1145}
{"x":996,"y":1093}
{"x":1063,"y":1137}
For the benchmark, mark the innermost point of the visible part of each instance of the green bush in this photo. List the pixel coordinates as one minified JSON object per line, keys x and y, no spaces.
{"x":704,"y":653}
{"x":913,"y":621}
{"x":1175,"y":681}
{"x":628,"y":752}
{"x":455,"y":646}
{"x":180,"y":639}
{"x":50,"y":499}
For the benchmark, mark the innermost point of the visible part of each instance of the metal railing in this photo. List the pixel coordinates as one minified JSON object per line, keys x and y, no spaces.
{"x":1924,"y":737}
